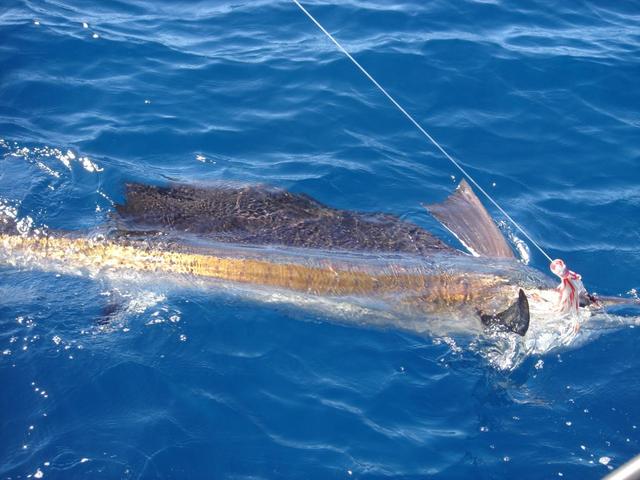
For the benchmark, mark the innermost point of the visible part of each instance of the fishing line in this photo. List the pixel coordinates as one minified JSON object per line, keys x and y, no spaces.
{"x":421,"y":129}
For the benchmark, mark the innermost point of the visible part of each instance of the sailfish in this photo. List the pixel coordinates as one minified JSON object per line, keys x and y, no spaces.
{"x":379,"y":268}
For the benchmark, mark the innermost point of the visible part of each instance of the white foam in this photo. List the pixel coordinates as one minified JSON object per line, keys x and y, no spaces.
{"x":522,"y":249}
{"x":39,"y":155}
{"x":89,"y":166}
{"x":144,"y":300}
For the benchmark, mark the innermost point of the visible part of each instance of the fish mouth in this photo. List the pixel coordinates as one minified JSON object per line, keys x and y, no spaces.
{"x":620,"y":306}
{"x":544,"y":307}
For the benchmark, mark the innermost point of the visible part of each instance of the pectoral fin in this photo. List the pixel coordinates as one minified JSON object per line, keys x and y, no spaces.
{"x":514,"y":319}
{"x":464,"y":216}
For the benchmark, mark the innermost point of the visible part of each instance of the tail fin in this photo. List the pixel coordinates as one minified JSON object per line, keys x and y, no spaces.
{"x":514,"y":319}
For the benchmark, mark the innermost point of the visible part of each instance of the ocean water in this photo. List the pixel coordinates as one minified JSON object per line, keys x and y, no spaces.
{"x":537,"y":99}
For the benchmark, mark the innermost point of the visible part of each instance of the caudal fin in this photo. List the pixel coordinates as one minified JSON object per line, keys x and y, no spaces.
{"x":514,"y":319}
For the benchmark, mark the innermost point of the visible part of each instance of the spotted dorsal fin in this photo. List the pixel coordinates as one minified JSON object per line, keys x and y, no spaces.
{"x":259,"y":215}
{"x":464,"y":216}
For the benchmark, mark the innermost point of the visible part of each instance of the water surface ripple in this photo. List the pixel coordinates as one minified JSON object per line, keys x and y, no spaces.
{"x":537,"y":99}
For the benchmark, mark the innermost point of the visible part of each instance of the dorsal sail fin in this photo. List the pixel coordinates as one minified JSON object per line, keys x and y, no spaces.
{"x":259,"y":215}
{"x":464,"y":216}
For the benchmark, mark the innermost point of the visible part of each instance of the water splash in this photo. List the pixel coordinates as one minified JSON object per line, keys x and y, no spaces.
{"x":11,"y":220}
{"x":521,"y":247}
{"x":546,"y":335}
{"x":42,"y":156}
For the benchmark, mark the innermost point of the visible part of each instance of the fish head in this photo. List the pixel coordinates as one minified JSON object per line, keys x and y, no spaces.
{"x":594,"y":312}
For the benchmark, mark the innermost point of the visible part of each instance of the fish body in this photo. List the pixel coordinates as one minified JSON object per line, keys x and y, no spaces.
{"x":276,"y":244}
{"x":413,"y":289}
{"x":370,"y":269}
{"x":271,"y":240}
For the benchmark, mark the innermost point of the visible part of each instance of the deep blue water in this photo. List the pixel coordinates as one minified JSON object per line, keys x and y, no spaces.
{"x":538,"y":99}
